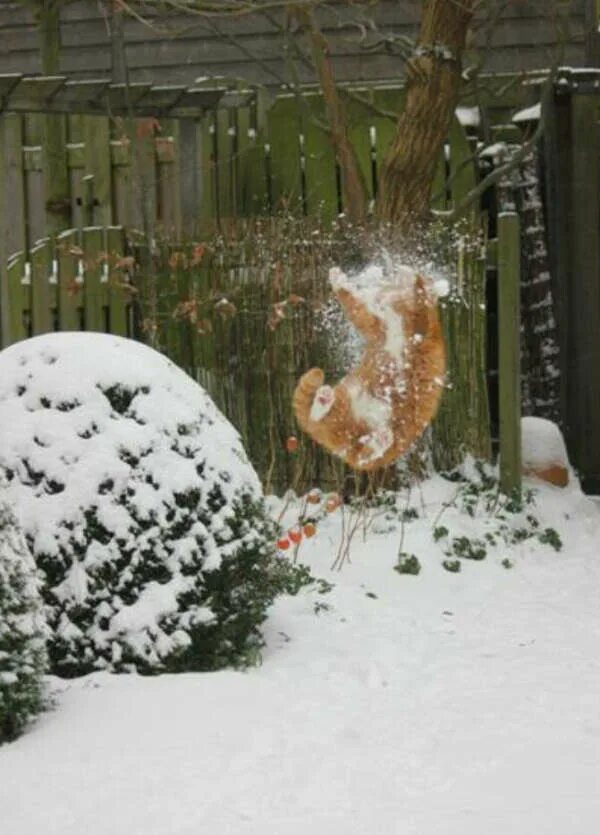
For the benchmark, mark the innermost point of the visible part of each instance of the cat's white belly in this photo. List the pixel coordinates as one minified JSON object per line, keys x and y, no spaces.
{"x":376,"y":412}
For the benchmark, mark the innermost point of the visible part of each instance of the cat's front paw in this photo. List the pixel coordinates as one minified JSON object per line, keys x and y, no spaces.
{"x":322,"y":403}
{"x":337,"y":278}
{"x":376,"y":444}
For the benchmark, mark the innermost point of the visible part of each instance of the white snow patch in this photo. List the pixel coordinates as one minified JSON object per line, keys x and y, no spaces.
{"x":443,"y":704}
{"x":469,"y":117}
{"x":542,"y":444}
{"x":494,"y":150}
{"x":528,"y":114}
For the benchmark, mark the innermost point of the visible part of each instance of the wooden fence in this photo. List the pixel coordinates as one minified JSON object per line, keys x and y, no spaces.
{"x":186,"y":178}
{"x":180,"y":177}
{"x":572,"y":145}
{"x":80,"y":280}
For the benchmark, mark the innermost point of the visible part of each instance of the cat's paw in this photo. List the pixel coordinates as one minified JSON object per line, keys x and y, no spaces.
{"x":376,"y":444}
{"x":337,"y":278}
{"x":322,"y":403}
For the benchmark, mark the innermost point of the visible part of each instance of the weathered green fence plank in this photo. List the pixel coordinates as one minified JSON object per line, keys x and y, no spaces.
{"x":16,"y":225}
{"x":188,"y":175}
{"x":56,"y":173}
{"x":4,"y":292}
{"x":19,"y":291}
{"x":70,"y":280}
{"x":119,"y":297}
{"x":169,"y":182}
{"x":208,"y":160}
{"x":225,"y":163}
{"x":321,"y":178}
{"x":44,"y":276}
{"x":284,"y":128}
{"x":95,"y":292}
{"x":143,"y":183}
{"x":244,"y":144}
{"x":96,"y":136}
{"x":583,"y":406}
{"x":509,"y":355}
{"x":254,"y":196}
{"x":122,"y":180}
{"x":253,"y":159}
{"x":34,"y":177}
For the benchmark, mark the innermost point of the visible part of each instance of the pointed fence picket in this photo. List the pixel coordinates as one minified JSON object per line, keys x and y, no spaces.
{"x":78,"y":281}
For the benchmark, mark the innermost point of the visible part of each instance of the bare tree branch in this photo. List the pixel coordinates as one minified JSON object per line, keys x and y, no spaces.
{"x":501,"y":171}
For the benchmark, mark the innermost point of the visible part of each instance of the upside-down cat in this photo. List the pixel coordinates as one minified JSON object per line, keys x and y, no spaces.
{"x":380,"y":407}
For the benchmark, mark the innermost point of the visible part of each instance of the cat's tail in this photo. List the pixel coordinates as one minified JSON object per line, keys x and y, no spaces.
{"x":304,"y":396}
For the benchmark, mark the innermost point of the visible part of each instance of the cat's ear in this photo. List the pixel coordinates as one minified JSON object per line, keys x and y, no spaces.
{"x":357,"y":312}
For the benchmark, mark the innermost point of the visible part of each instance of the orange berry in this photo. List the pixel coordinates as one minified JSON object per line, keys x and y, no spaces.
{"x":295,"y":535}
{"x":291,"y":444}
{"x":309,"y":530}
{"x":283,"y":544}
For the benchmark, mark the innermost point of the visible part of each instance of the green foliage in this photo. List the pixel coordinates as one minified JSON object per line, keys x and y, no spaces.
{"x":550,"y":537}
{"x":22,"y":633}
{"x":238,"y":592}
{"x":145,"y":518}
{"x":407,"y":564}
{"x":409,"y":514}
{"x":439,"y":532}
{"x":453,"y":566}
{"x":511,"y":520}
{"x":468,"y":549}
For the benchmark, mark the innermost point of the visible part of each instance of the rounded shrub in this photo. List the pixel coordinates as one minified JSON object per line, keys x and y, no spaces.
{"x":22,"y":632}
{"x":139,"y":505}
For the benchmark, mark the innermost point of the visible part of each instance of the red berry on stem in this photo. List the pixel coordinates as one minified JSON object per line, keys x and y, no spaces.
{"x":295,"y":535}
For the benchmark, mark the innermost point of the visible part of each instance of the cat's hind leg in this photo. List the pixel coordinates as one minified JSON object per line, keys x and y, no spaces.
{"x":310,"y":390}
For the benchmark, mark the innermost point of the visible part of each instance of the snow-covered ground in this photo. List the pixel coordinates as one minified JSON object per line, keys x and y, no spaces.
{"x":439,"y":704}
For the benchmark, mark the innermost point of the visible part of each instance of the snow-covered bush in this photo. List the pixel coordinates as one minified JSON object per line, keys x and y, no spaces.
{"x":139,"y":505}
{"x":22,"y":631}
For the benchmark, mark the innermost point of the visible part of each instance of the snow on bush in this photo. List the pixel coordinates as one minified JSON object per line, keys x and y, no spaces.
{"x":139,"y":504}
{"x":22,"y":631}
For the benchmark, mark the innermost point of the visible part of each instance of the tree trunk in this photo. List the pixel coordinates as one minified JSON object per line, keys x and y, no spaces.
{"x":434,"y":75}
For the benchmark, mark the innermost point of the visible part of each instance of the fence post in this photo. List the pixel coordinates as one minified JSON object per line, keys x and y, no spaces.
{"x":191,"y":177}
{"x":4,"y":312}
{"x":584,"y":288}
{"x":509,"y":371}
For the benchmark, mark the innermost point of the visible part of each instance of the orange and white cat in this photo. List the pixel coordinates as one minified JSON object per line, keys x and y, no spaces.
{"x":383,"y":405}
